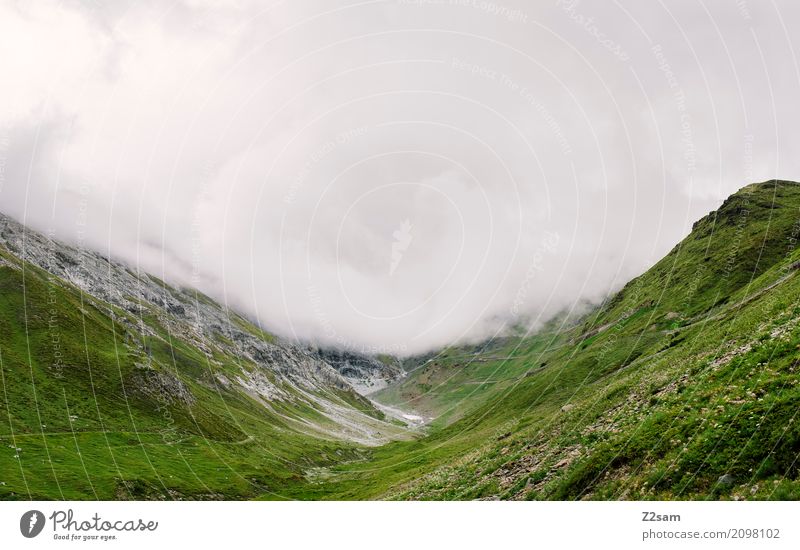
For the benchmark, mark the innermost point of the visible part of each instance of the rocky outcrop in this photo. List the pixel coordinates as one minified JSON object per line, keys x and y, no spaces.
{"x":162,"y":387}
{"x":366,"y":374}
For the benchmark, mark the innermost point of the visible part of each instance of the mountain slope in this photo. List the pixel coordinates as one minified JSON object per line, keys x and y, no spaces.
{"x":116,"y":385}
{"x":682,"y":385}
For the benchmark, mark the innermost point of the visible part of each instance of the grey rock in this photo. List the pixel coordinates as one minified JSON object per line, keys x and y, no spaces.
{"x":726,"y":479}
{"x":365,"y":373}
{"x":163,"y":387}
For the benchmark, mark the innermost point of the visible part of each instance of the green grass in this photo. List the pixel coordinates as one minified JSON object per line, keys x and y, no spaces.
{"x":72,"y":403}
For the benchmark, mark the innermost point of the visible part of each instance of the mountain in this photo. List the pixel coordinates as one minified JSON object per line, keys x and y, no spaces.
{"x":682,"y":385}
{"x":118,"y":385}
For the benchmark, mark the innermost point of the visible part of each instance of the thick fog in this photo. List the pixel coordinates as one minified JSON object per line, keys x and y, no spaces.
{"x":391,"y":176}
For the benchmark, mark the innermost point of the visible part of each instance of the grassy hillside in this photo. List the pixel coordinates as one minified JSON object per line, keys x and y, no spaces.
{"x":683,"y":385}
{"x":93,"y":409}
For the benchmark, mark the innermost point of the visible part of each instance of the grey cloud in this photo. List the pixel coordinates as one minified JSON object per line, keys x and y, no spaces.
{"x":393,"y":176}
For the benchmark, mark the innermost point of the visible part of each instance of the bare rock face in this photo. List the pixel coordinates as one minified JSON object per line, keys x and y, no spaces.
{"x":366,"y":374}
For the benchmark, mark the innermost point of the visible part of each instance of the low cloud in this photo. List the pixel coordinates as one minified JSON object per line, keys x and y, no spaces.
{"x":393,"y":176}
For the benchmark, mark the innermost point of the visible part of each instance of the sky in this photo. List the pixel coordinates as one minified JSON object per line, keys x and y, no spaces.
{"x":391,"y":176}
